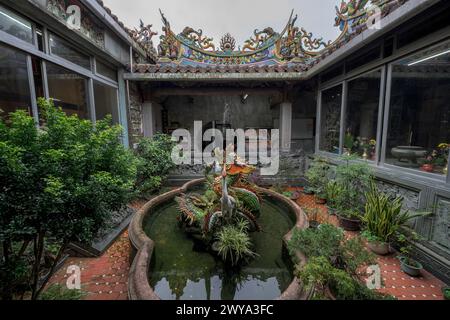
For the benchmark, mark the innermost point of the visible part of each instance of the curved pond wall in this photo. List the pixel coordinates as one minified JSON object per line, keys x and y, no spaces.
{"x":139,"y":287}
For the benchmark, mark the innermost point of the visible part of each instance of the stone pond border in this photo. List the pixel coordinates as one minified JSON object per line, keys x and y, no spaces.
{"x":142,"y":246}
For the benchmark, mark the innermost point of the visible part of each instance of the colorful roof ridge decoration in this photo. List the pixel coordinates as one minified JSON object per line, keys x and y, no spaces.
{"x":191,"y":47}
{"x":292,"y":50}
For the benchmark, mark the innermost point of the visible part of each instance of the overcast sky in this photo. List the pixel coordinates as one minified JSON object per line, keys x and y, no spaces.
{"x":238,"y":17}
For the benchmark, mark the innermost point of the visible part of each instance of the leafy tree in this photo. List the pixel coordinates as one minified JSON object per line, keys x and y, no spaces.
{"x":59,"y":182}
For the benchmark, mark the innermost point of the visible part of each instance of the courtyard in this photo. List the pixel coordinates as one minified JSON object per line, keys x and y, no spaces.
{"x":155,"y":164}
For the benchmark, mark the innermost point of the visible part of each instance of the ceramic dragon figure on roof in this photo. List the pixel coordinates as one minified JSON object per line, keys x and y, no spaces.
{"x":353,"y":13}
{"x":265,"y":46}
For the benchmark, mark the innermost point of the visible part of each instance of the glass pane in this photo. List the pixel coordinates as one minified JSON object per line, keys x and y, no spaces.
{"x":419,"y":119}
{"x":61,"y":48}
{"x":68,"y":90}
{"x":330,"y":119}
{"x":15,"y":25}
{"x":105,"y":102}
{"x":14,"y":85}
{"x":106,"y":71}
{"x":37,"y":76}
{"x":40,"y":38}
{"x":361,"y":123}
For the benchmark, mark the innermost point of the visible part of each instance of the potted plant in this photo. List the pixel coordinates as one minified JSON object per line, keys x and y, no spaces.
{"x":428,"y":163}
{"x":349,"y":143}
{"x":333,"y":191}
{"x":382,"y":219}
{"x":446,"y":293}
{"x":407,"y":263}
{"x":318,"y":177}
{"x":308,"y":190}
{"x":442,"y":157}
{"x":313,"y":217}
{"x":334,"y":261}
{"x":353,"y":178}
{"x":349,"y":220}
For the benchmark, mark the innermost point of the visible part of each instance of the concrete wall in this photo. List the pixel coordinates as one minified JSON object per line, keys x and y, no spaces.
{"x":255,"y":113}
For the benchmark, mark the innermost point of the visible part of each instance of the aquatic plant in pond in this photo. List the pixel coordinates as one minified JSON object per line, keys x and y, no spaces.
{"x":224,"y":215}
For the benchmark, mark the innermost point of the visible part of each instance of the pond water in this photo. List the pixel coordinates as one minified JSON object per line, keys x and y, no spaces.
{"x":179,"y":271}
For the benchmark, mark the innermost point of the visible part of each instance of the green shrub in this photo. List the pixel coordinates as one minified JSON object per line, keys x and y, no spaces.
{"x":318,"y":176}
{"x":333,"y":262}
{"x":60,"y":181}
{"x":155,"y":162}
{"x":353,"y":179}
{"x":59,"y":292}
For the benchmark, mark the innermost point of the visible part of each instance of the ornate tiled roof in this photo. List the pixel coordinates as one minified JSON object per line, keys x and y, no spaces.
{"x":292,"y":50}
{"x":246,"y":68}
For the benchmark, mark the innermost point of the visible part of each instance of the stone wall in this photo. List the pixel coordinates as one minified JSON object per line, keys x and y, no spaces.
{"x":135,"y":113}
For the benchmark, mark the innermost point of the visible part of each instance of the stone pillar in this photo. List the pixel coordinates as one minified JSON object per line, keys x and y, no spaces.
{"x":285,"y":126}
{"x":148,"y":119}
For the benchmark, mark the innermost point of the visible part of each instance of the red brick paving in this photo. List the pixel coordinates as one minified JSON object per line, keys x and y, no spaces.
{"x":105,"y":277}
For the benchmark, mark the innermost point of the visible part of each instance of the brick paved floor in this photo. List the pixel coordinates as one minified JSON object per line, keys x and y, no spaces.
{"x":105,"y":277}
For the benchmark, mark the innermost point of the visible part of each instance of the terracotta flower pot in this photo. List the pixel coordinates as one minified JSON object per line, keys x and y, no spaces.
{"x":319,"y":200}
{"x":349,"y":224}
{"x":427,"y":168}
{"x":380,"y":248}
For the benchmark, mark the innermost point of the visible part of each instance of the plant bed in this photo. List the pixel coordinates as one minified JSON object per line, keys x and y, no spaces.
{"x":349,"y":224}
{"x":410,"y":266}
{"x":105,"y":237}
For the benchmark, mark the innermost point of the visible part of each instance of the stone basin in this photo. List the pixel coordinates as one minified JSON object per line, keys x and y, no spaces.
{"x":408,"y":155}
{"x":146,"y":254}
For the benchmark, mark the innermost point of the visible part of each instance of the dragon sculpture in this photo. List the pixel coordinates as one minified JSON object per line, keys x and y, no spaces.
{"x":229,"y":197}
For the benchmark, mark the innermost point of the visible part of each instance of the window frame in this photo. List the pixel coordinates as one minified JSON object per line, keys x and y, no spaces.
{"x":45,"y":56}
{"x":387,"y":109}
{"x":386,"y":66}
{"x":319,"y":119}
{"x":381,"y":97}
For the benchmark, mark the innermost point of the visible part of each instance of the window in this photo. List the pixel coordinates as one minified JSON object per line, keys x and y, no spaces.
{"x":61,"y":48}
{"x":15,"y":25}
{"x":68,"y":90}
{"x":105,"y":70}
{"x":330,"y":119}
{"x":14,"y":85}
{"x":37,"y":76}
{"x":361,"y":124}
{"x":106,"y":102}
{"x":419,"y":116}
{"x":40,"y":38}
